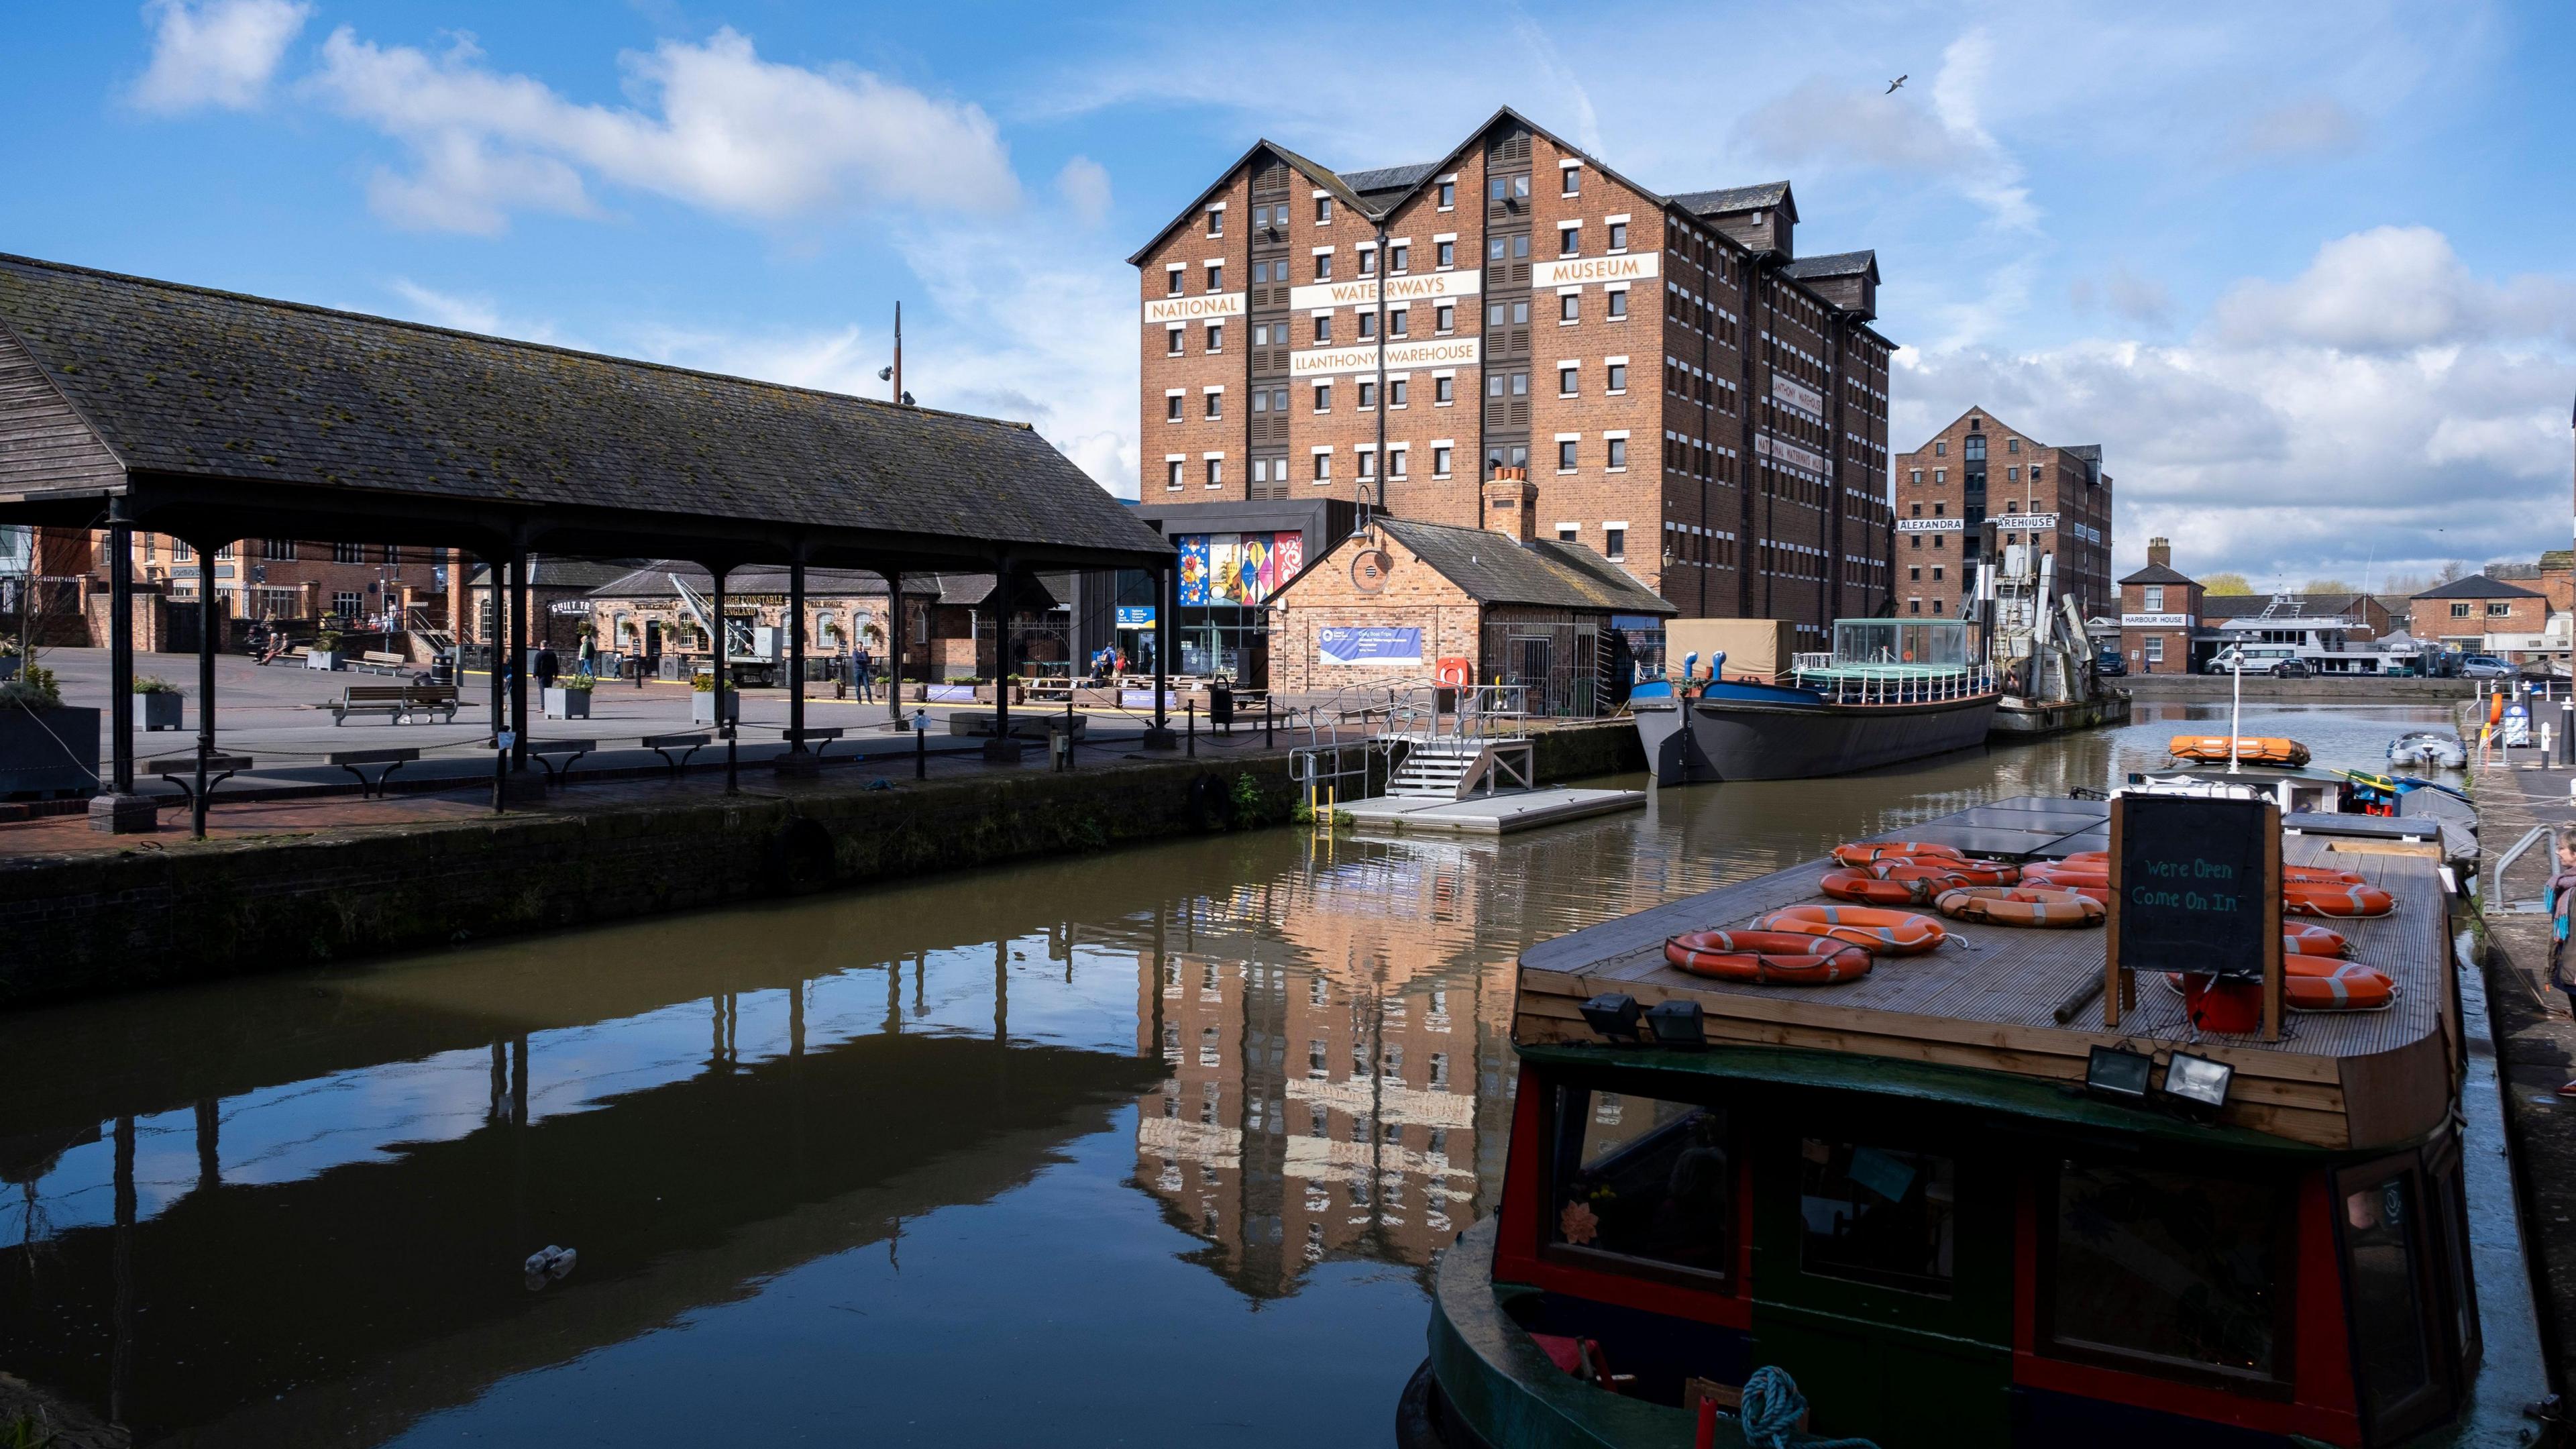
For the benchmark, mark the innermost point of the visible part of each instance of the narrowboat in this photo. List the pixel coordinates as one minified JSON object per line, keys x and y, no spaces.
{"x":1891,"y":690}
{"x":1941,"y":1201}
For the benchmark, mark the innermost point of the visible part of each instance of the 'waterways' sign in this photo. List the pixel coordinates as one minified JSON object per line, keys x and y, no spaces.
{"x":1368,"y":644}
{"x":2197,"y":884}
{"x":1362,"y":291}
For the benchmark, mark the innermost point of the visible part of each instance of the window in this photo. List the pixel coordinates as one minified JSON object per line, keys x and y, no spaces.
{"x":2152,"y":598}
{"x":1914,"y":606}
{"x":1323,"y":327}
{"x":1399,"y":258}
{"x":1323,"y":467}
{"x":1444,"y":390}
{"x":2012,"y":445}
{"x":1614,"y":543}
{"x":1618,"y":303}
{"x":1323,"y":266}
{"x":1877,"y":1215}
{"x":1398,"y":322}
{"x":1172,"y":407}
{"x":1936,"y":606}
{"x":1216,"y":404}
{"x":1565,"y":455}
{"x":1395,"y":464}
{"x":1398,"y":392}
{"x":2459,"y":611}
{"x":1172,"y":473}
{"x":2170,"y":1267}
{"x":1323,"y":211}
{"x":1618,"y":452}
{"x":1565,"y":381}
{"x":1172,"y":280}
{"x":1368,"y":325}
{"x":1937,"y":570}
{"x":1914,"y":574}
{"x":2499,"y":611}
{"x":277,"y":548}
{"x":345,"y":603}
{"x":1520,"y":243}
{"x":1940,"y":476}
{"x":1940,"y":506}
{"x":1448,"y":254}
{"x":1216,"y":220}
{"x":1569,"y":240}
{"x":1216,"y":276}
{"x":1216,"y":337}
{"x":180,"y":551}
{"x":1368,"y":261}
{"x":1568,"y":532}
{"x":1172,"y":340}
{"x":1618,"y":381}
{"x":349,"y":553}
{"x":1569,"y":307}
{"x":1368,"y":395}
{"x":1260,"y":402}
{"x":1367,"y":469}
{"x":393,"y":555}
{"x":1216,"y":472}
{"x":2383,"y":1272}
{"x":1440,"y":461}
{"x":1940,"y":447}
{"x":1279,"y":400}
{"x":2155,"y":649}
{"x":1917,"y":480}
{"x":1572,"y":183}
{"x":1448,"y":194}
{"x":1444,"y":317}
{"x":1323,"y":397}
{"x":1618,"y":236}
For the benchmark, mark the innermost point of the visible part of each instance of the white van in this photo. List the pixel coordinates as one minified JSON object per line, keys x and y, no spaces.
{"x":2252,"y":658}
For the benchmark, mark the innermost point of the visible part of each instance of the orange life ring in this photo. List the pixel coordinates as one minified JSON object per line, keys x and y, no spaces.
{"x":1865,"y":852}
{"x":2319,"y":875}
{"x":1782,"y":958}
{"x":2021,"y":906}
{"x":2347,"y":901}
{"x":2099,"y":861}
{"x":1966,"y":872}
{"x":1890,"y":933}
{"x":1890,"y":883}
{"x":2321,"y":983}
{"x":2298,"y":938}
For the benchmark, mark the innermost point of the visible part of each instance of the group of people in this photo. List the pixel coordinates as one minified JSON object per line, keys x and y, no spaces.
{"x":1108,"y":664}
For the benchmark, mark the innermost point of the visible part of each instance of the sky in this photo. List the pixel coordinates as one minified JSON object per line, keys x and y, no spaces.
{"x":2300,"y":268}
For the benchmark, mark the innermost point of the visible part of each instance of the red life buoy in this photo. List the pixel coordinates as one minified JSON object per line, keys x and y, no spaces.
{"x":1889,"y":883}
{"x":2337,"y":900}
{"x":1782,"y":959}
{"x":1866,"y":852}
{"x":2298,"y":938}
{"x":1889,"y":933}
{"x":1966,"y":872}
{"x":2021,"y":906}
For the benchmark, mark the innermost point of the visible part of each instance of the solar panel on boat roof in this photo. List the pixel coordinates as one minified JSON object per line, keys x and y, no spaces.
{"x":2038,"y":822}
{"x":2052,"y":805}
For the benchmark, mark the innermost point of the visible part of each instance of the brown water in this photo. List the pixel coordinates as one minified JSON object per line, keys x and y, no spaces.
{"x":1149,"y":1147}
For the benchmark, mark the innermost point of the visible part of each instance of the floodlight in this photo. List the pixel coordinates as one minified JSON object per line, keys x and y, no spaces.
{"x":886,"y":373}
{"x":2198,"y":1080}
{"x":1677,"y":1023}
{"x":2119,"y":1073}
{"x":1613,"y":1014}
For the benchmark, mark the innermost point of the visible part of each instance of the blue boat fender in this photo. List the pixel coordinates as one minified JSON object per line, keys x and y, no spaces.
{"x":1771,"y":1410}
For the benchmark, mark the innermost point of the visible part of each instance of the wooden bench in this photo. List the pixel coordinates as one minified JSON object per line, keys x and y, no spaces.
{"x":182,"y":772}
{"x":823,"y":736}
{"x":392,"y":760}
{"x":399,"y":701}
{"x":544,"y":752}
{"x":377,"y":661}
{"x":686,"y":744}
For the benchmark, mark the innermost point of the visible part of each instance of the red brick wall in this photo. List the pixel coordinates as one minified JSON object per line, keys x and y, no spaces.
{"x":2432,"y":619}
{"x":1416,"y":596}
{"x":1197,"y":369}
{"x":2176,"y":643}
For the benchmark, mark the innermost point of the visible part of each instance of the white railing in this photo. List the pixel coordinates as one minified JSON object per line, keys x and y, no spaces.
{"x":1899,"y":688}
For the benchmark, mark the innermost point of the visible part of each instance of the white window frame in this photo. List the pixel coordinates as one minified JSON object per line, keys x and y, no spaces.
{"x":1617,"y":435}
{"x":1607,"y":363}
{"x":1439,"y":446}
{"x":1450,"y":180}
{"x":1175,"y":472}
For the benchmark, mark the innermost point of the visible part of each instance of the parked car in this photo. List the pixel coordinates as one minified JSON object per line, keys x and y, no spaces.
{"x":2484,"y":666}
{"x":2109,"y":665}
{"x":2292,"y":669}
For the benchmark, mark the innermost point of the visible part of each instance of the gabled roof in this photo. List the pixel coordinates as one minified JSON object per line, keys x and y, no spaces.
{"x":2159,"y":574}
{"x":2477,"y":586}
{"x":1767,"y":196}
{"x":1389,"y":178}
{"x":1837,"y":264}
{"x":1494,"y":569}
{"x":1321,"y":175}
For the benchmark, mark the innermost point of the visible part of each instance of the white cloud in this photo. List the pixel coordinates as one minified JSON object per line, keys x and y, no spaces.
{"x":218,"y":53}
{"x":2317,"y":126}
{"x":1084,"y":184}
{"x":2386,"y":408}
{"x":727,"y":132}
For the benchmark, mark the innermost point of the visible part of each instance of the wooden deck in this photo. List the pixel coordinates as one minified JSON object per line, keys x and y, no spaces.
{"x":1992,"y":996}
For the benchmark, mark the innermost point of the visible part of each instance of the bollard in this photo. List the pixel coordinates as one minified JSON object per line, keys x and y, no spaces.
{"x":920,"y":749}
{"x":1068,"y":727}
{"x":1194,"y":729}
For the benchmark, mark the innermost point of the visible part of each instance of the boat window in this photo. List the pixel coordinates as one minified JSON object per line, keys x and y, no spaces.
{"x":2169,"y":1266}
{"x":1876,"y":1215}
{"x":2383,"y":1248}
{"x":1640,"y":1177}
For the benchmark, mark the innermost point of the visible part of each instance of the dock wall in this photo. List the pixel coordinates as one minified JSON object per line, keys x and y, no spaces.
{"x":84,"y":924}
{"x":2215,"y":689}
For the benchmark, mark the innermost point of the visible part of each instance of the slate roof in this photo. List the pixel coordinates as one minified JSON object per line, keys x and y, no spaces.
{"x":1836,"y":264}
{"x":1494,"y":569}
{"x":2159,"y":574}
{"x":1388,"y":178}
{"x":1733,"y":198}
{"x":555,"y":571}
{"x":2477,"y":586}
{"x":194,"y":384}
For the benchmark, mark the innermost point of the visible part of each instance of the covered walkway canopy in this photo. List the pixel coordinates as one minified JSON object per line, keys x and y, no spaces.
{"x":127,"y":403}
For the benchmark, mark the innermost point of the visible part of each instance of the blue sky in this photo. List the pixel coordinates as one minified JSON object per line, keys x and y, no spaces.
{"x":2300,"y":268}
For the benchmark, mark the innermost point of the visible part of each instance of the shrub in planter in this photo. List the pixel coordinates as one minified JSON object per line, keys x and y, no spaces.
{"x":702,"y":700}
{"x":160,"y":700}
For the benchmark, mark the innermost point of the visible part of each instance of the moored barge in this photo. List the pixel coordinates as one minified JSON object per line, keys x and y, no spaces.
{"x":1900,"y":1191}
{"x":1891,"y":690}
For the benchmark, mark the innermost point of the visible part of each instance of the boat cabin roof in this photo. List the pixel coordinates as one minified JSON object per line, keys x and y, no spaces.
{"x":2026,"y":1003}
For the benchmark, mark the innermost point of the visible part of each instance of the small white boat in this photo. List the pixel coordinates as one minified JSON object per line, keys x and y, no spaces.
{"x":2437,"y":748}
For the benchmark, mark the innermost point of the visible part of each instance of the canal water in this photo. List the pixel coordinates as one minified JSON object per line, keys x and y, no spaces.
{"x":1147,"y":1147}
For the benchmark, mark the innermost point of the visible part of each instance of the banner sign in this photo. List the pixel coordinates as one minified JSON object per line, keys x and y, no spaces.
{"x":1931,"y":525}
{"x":1400,"y":357}
{"x":1202,"y":306}
{"x":1362,"y":291}
{"x":1800,"y":396}
{"x":1135,"y":616}
{"x":2155,"y":621}
{"x":1368,"y":644}
{"x":1243,"y":569}
{"x":1790,"y":453}
{"x":1578,"y":271}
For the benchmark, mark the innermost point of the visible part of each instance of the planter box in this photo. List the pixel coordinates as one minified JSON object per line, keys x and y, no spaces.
{"x":48,"y":752}
{"x":702,"y":706}
{"x":567,"y":704}
{"x":316,"y":659}
{"x":984,"y":694}
{"x":159,"y":711}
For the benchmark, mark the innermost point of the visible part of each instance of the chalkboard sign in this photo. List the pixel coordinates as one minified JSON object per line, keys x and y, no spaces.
{"x":2196,"y":887}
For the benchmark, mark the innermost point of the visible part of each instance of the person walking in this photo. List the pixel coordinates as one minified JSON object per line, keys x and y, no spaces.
{"x":863,"y":671}
{"x":2561,"y":895}
{"x":545,"y":667}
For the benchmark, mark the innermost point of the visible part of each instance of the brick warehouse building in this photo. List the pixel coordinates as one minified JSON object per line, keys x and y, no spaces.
{"x":1978,"y":472}
{"x":1690,"y":398}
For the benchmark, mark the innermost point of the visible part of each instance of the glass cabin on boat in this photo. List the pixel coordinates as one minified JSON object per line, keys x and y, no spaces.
{"x":1894,"y":660}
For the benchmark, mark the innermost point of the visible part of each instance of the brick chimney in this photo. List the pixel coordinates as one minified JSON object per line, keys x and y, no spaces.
{"x":2159,"y":553}
{"x":1511,"y":504}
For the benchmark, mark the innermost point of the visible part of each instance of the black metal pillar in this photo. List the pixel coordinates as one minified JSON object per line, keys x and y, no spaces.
{"x":495,"y":648}
{"x":120,"y":646}
{"x":796,"y":654}
{"x":894,"y":644}
{"x":724,"y":723}
{"x":518,"y":637}
{"x":206,"y":599}
{"x":1166,"y":597}
{"x":1002,"y":650}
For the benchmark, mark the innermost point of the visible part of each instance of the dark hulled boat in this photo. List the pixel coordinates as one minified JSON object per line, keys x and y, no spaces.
{"x":1892,"y":690}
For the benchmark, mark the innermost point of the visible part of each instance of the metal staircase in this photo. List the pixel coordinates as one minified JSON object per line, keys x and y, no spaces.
{"x":1479,"y":745}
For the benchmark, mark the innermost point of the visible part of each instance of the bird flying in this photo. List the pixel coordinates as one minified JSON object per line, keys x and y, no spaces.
{"x":1892,"y":85}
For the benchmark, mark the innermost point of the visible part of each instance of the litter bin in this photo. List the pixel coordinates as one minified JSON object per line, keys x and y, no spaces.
{"x":1221,"y":707}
